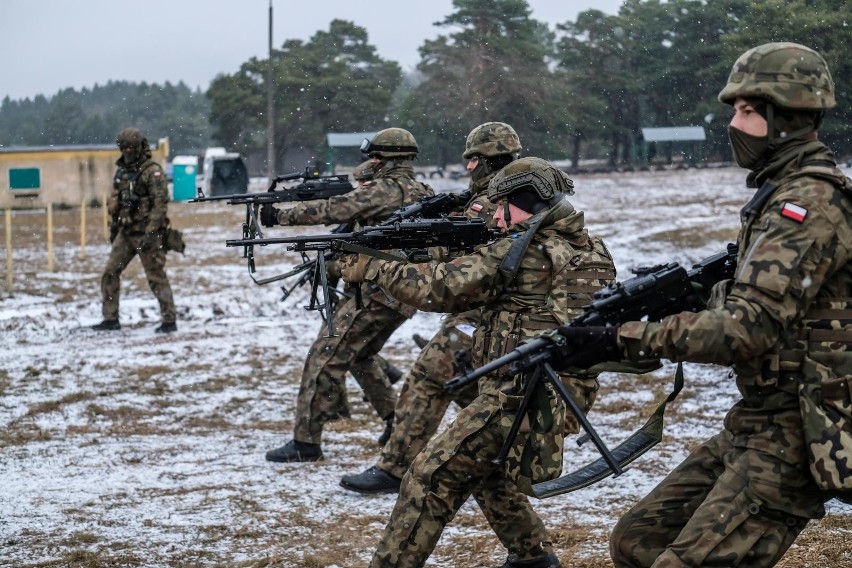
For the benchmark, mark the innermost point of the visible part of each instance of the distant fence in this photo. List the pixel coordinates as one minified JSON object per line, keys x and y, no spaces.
{"x":48,"y":209}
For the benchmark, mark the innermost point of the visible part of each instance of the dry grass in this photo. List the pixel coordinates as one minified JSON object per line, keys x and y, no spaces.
{"x":262,"y":521}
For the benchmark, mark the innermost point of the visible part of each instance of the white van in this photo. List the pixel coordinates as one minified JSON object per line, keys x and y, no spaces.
{"x":222,"y":173}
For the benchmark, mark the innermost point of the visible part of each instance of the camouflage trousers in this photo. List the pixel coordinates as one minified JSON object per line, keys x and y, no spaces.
{"x":422,"y":400}
{"x":361,"y":335}
{"x":124,"y":248}
{"x":453,"y":466}
{"x":723,"y":506}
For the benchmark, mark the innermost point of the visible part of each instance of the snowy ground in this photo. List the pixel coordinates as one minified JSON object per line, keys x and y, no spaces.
{"x":133,"y":449}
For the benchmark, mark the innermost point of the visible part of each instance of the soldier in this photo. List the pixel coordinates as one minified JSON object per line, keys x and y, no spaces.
{"x":138,"y":223}
{"x":361,"y":332}
{"x":743,"y":496}
{"x":422,"y":400}
{"x":522,"y":283}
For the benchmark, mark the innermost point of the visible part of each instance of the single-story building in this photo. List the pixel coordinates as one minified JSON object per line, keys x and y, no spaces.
{"x":33,"y":176}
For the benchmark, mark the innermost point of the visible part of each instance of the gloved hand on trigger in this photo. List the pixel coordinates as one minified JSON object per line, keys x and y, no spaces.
{"x":582,"y":347}
{"x":353,"y":267}
{"x":269,"y":215}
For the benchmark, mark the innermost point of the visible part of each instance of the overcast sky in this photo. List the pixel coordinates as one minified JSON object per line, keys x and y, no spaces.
{"x":49,"y":45}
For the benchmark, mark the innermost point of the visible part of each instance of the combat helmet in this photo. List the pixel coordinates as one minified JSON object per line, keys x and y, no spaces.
{"x":129,"y":138}
{"x":391,"y":143}
{"x":530,"y":175}
{"x":492,"y":139}
{"x":789,"y":75}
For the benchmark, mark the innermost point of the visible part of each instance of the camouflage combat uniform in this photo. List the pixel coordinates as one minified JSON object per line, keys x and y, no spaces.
{"x":742,"y":497}
{"x":361,"y":332}
{"x":422,"y":400}
{"x":137,"y":208}
{"x":457,"y":463}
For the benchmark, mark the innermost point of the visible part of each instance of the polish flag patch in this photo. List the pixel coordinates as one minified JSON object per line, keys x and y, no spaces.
{"x":156,"y":174}
{"x":476,"y":207}
{"x":794,"y":212}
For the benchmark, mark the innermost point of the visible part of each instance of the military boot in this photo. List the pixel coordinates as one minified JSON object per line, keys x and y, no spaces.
{"x":166,"y":327}
{"x":295,"y":451}
{"x":420,"y":340}
{"x":546,"y":561}
{"x":107,"y":325}
{"x":373,"y":480}
{"x":383,"y":439}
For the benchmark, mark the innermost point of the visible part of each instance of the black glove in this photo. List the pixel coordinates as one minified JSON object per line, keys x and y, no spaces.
{"x":268,"y":215}
{"x":113,"y":232}
{"x":582,"y":347}
{"x":150,"y":242}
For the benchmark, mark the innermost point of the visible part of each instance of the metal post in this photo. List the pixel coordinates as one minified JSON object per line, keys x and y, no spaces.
{"x":50,"y":237}
{"x":9,"y":251}
{"x":83,"y":229}
{"x":270,"y":110}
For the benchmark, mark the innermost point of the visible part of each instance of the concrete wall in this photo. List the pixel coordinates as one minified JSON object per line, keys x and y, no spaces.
{"x":69,"y":175}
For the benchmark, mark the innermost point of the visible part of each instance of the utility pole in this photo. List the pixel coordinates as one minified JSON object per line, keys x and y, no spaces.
{"x":270,"y":112}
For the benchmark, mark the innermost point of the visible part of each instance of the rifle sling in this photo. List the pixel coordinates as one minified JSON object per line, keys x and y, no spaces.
{"x":637,"y":444}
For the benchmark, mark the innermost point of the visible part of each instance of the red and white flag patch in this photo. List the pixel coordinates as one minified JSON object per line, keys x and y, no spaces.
{"x":795,"y":212}
{"x":476,"y":207}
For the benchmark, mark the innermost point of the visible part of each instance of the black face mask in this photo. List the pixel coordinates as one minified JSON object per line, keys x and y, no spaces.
{"x":131,"y":155}
{"x":749,"y":151}
{"x":480,"y":171}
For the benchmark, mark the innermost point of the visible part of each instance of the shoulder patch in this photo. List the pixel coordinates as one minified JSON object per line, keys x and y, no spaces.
{"x":476,"y":207}
{"x":795,"y":212}
{"x":157,"y":174}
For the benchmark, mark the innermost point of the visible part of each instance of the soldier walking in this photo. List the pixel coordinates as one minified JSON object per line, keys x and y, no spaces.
{"x":783,"y":324}
{"x":361,"y":331}
{"x":138,"y":224}
{"x":522,"y":283}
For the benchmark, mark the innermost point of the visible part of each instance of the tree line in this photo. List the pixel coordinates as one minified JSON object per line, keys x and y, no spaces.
{"x":573,"y":90}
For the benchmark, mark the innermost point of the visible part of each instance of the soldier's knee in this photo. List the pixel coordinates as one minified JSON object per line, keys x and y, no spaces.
{"x":623,"y":544}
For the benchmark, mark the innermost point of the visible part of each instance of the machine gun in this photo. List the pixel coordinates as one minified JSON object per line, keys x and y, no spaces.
{"x":653,"y":294}
{"x":425,"y":208}
{"x":412,"y":237}
{"x":429,"y":207}
{"x":455,"y":233}
{"x":313,"y":186}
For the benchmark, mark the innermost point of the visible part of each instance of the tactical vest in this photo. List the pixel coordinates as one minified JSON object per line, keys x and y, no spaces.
{"x":134,"y":200}
{"x":576,"y":274}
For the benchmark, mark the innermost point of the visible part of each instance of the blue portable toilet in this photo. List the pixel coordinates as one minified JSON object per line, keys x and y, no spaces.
{"x":184,"y":170}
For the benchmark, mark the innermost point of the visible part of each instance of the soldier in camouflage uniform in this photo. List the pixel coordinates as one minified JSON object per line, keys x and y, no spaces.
{"x":138,"y":222}
{"x":742,"y":497}
{"x":522,"y":284}
{"x":361,"y":332}
{"x":423,"y":400}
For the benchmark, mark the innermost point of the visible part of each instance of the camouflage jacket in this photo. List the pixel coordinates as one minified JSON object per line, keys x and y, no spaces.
{"x":558,"y":272}
{"x":140,"y":197}
{"x":479,"y":206}
{"x":391,"y":188}
{"x":776,"y":315}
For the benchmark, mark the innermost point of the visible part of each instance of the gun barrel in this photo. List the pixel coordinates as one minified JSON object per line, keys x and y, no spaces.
{"x":329,"y":238}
